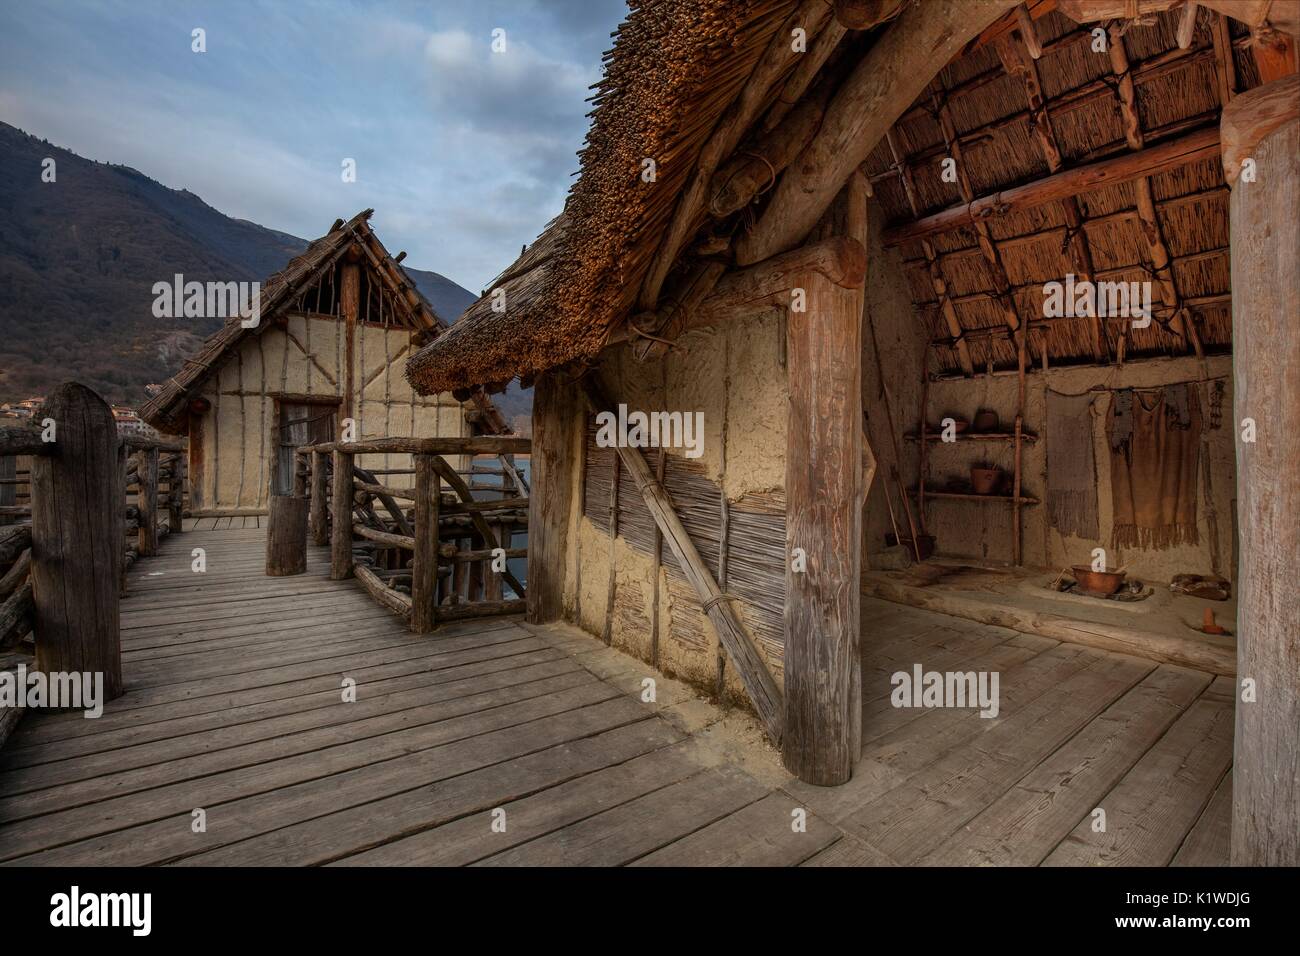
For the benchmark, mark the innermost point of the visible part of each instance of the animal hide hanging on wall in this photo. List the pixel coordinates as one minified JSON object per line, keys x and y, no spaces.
{"x":1071,"y":465}
{"x":1155,"y":440}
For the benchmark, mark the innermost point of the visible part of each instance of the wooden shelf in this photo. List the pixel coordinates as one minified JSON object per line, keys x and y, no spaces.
{"x":971,"y":496}
{"x":975,"y":436}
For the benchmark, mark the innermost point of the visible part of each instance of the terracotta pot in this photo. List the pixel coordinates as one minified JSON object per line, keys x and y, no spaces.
{"x":1097,"y":582}
{"x":985,"y":480}
{"x":986,"y":420}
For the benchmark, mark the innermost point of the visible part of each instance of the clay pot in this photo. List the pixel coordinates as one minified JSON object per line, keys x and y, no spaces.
{"x":986,"y":420}
{"x":1101,"y":583}
{"x":985,"y":480}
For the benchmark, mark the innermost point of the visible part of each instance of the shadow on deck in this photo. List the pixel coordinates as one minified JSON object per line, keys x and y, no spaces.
{"x":234,"y":707}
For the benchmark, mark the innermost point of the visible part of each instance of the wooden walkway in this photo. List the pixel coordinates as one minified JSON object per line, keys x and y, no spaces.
{"x":497,"y":743}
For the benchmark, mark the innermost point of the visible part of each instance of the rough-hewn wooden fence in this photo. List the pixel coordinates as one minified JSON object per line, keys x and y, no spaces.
{"x":66,"y":551}
{"x":426,"y":551}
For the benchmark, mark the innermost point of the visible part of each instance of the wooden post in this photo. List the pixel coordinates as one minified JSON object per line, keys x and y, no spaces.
{"x":823,"y":487}
{"x":424,"y":569}
{"x":557,"y":420}
{"x":492,"y":590}
{"x":319,"y":499}
{"x":147,"y":501}
{"x":194,"y":467}
{"x":77,"y":532}
{"x":286,"y":536}
{"x":341,"y":534}
{"x":349,"y":302}
{"x":176,"y":495}
{"x":1265,"y":127}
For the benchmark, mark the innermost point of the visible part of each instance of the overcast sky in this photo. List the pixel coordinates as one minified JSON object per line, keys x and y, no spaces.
{"x":464,"y":153}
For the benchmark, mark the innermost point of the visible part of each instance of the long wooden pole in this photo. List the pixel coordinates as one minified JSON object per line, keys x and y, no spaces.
{"x":753,"y":673}
{"x":1203,"y":144}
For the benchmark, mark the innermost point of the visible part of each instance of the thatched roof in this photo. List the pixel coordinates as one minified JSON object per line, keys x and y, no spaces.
{"x":300,"y":285}
{"x":677,"y":65}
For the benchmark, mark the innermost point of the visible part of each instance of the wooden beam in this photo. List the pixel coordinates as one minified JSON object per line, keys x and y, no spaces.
{"x":1283,"y":15}
{"x":77,"y":533}
{"x":1152,"y":234}
{"x":753,"y":673}
{"x":1041,"y":122}
{"x":1266,"y":388}
{"x":937,"y":281}
{"x":1252,"y":118}
{"x":823,"y":487}
{"x":880,"y":88}
{"x":752,"y":290}
{"x":1275,"y":55}
{"x":983,"y":235}
{"x":777,"y":57}
{"x":865,"y":14}
{"x":1124,"y":168}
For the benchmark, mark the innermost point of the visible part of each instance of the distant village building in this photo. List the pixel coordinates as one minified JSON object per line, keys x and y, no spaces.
{"x":24,"y":409}
{"x":335,"y":327}
{"x":130,"y":423}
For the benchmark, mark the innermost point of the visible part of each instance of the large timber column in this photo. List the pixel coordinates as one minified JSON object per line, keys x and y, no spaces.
{"x":823,"y":486}
{"x":557,"y":419}
{"x":1264,"y":126}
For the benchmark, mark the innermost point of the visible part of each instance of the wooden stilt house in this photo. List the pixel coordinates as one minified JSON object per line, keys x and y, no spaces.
{"x":834,"y":230}
{"x":335,"y":325}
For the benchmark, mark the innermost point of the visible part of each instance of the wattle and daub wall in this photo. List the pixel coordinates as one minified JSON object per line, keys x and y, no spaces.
{"x":239,"y":431}
{"x":735,"y":375}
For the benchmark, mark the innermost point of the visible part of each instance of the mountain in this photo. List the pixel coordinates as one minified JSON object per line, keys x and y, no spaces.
{"x":79,"y":257}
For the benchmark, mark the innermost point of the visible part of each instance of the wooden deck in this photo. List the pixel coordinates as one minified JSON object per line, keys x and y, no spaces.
{"x":234,"y":707}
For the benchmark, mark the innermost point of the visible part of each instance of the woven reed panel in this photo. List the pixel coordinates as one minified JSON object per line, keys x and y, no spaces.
{"x":755,"y":541}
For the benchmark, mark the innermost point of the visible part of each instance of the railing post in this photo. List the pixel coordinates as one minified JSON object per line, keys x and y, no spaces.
{"x":341,"y":535}
{"x":176,"y":495}
{"x":146,"y":468}
{"x":492,"y":590}
{"x":319,"y":499}
{"x":424,"y":569}
{"x":77,"y":535}
{"x":286,"y":533}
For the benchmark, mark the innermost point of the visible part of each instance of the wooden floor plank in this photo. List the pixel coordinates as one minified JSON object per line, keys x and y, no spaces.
{"x":761,"y":834}
{"x":109,"y":769}
{"x":472,"y":837}
{"x":1152,"y":809}
{"x":641,"y":826}
{"x":1025,"y":823}
{"x":233,"y":705}
{"x":77,"y":823}
{"x":914,"y":819}
{"x":1210,"y":842}
{"x":849,"y":851}
{"x":171,"y":838}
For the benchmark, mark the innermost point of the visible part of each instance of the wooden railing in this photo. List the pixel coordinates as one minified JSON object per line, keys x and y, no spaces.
{"x":64,"y":553}
{"x":426,"y":552}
